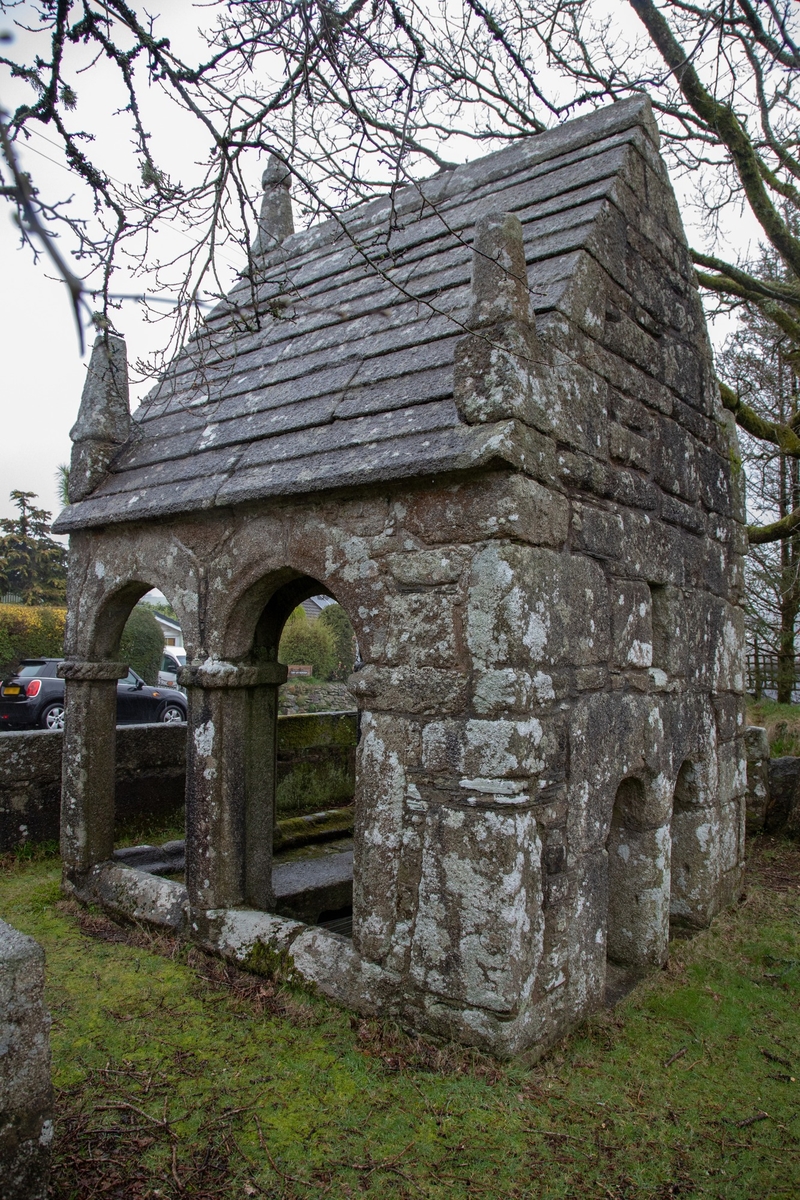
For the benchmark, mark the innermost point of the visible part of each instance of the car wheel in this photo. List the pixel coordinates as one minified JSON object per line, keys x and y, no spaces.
{"x":53,"y":716}
{"x":173,"y":714}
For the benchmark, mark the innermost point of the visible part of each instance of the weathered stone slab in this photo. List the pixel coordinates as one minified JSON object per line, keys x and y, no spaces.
{"x":307,"y":888}
{"x":26,"y":1096}
{"x":758,"y":777}
{"x":783,"y":805}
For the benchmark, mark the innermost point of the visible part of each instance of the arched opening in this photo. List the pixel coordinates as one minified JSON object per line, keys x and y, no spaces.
{"x":270,"y":796}
{"x":316,"y":739}
{"x":638,"y":849}
{"x":125,"y":727}
{"x":695,"y":848}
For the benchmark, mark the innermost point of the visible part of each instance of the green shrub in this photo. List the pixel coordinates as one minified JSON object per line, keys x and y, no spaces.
{"x":142,"y":644}
{"x":29,"y":631}
{"x":335,"y":619}
{"x":304,"y":641}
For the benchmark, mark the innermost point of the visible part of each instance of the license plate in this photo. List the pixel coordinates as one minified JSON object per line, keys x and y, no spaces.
{"x":11,"y":691}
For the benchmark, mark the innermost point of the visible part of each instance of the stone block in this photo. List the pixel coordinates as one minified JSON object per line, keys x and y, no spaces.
{"x":422,"y":629}
{"x":729,"y":715}
{"x":697,"y":843}
{"x":382,"y":781}
{"x":138,"y":896}
{"x":422,"y":690}
{"x":484,"y":750}
{"x":631,"y":623}
{"x":498,"y":505}
{"x":732,"y":770}
{"x":758,"y":760}
{"x":478,"y":933}
{"x":514,"y":690}
{"x":638,"y":895}
{"x":675,"y":465}
{"x":628,"y":447}
{"x":783,"y":805}
{"x":671,"y":633}
{"x":26,"y":1096}
{"x":599,"y":532}
{"x":574,"y":401}
{"x":714,"y":473}
{"x":726,"y":636}
{"x":427,"y":568}
{"x":308,"y":888}
{"x":530,"y":607}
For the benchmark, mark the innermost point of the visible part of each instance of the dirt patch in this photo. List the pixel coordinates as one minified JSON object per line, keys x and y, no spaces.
{"x":774,"y":862}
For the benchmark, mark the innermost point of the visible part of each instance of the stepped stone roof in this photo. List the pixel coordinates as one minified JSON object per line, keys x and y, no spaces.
{"x":345,"y":374}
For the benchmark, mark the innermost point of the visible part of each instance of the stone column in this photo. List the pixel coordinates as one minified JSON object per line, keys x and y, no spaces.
{"x":639,"y":874}
{"x":88,"y":771}
{"x":230,"y":783}
{"x":638,"y":896}
{"x":758,"y":752}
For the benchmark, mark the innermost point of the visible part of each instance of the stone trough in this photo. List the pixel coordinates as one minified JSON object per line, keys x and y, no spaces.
{"x":305,"y":889}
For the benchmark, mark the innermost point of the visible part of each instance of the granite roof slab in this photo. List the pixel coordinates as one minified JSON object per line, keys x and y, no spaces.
{"x":343,"y":373}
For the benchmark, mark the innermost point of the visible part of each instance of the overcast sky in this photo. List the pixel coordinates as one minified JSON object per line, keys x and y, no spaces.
{"x":42,"y":371}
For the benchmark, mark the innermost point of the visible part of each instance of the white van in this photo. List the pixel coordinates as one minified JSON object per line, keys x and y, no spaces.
{"x":173,"y":658}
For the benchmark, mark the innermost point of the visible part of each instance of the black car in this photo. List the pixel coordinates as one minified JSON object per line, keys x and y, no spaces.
{"x":34,"y":698}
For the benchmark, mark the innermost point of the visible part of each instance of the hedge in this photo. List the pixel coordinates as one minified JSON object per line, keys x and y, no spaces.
{"x":142,"y":644}
{"x":336,"y":621}
{"x":29,"y":631}
{"x":304,"y":641}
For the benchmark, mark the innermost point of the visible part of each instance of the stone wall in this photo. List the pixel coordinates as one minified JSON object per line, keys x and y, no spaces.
{"x":316,"y":754}
{"x":773,"y":788}
{"x":25,"y":1090}
{"x":151,"y":779}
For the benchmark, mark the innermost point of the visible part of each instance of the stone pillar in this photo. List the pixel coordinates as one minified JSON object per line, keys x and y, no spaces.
{"x":88,"y":769}
{"x":230,"y":783}
{"x":639,"y":869}
{"x":26,"y":1129}
{"x":696,"y":843}
{"x":638,"y":896}
{"x":757,"y":747}
{"x":275,"y":221}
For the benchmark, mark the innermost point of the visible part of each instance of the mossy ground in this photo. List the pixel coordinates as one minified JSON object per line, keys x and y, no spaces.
{"x":178,"y":1076}
{"x":782,"y":723}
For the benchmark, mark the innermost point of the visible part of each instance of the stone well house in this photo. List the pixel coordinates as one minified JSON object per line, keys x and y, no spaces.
{"x":484,"y":419}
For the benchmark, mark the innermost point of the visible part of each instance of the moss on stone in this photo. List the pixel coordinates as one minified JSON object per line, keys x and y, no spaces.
{"x":304,"y":730}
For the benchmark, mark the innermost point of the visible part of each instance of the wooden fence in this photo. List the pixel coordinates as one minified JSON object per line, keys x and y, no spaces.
{"x":762,"y":672}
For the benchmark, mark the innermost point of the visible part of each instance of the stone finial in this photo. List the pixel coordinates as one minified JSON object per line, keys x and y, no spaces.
{"x":493,"y":363}
{"x":499,"y":272}
{"x":275,"y":222}
{"x":104,"y":420}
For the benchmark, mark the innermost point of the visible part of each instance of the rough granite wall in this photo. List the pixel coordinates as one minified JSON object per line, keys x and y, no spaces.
{"x":551,"y":762}
{"x":315,"y":751}
{"x":26,"y":1129}
{"x":150,"y":779}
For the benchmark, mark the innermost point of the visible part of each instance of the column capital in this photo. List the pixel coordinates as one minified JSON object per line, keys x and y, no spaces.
{"x":220,"y":674}
{"x":91,"y":672}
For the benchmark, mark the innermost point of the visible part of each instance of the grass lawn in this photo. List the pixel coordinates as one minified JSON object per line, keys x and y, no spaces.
{"x":177,"y":1076}
{"x":782,"y":723}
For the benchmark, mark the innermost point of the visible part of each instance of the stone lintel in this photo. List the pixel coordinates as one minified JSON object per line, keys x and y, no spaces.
{"x":221,"y":674}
